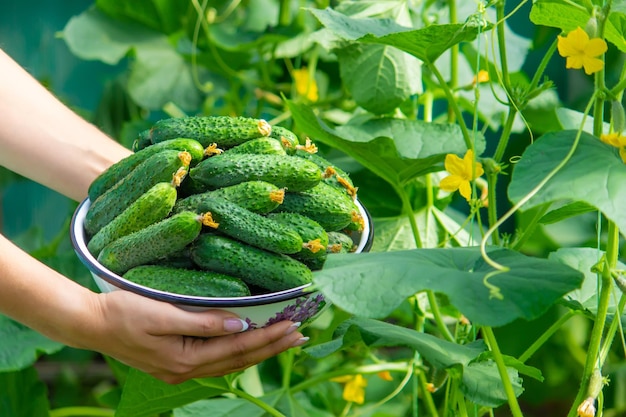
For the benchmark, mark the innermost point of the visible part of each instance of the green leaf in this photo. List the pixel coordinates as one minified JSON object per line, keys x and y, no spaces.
{"x":21,"y":346}
{"x":384,"y":280}
{"x":584,"y":260}
{"x":228,"y":407}
{"x":94,"y":36}
{"x":22,"y":393}
{"x":375,"y":333}
{"x":145,"y":395}
{"x":426,"y":44}
{"x":565,"y":212}
{"x":160,"y":75}
{"x":559,"y":14}
{"x":482,"y":384}
{"x":379,"y":77}
{"x":163,"y":15}
{"x":397,"y":150}
{"x":595,"y":174}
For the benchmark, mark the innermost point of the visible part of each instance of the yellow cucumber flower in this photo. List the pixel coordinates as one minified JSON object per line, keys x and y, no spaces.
{"x":616,"y":140}
{"x":354,"y":388}
{"x":582,"y":52}
{"x":305,"y":85}
{"x":461,"y":171}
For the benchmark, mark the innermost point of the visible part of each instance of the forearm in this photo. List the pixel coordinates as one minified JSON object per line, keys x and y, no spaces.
{"x":43,"y":299}
{"x":42,"y":139}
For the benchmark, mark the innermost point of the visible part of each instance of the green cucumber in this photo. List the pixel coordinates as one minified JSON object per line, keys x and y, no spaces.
{"x":193,"y":282}
{"x":254,"y":229}
{"x":260,"y":146}
{"x":315,"y":238}
{"x":257,"y":196}
{"x":293,"y":173}
{"x":287,"y":138}
{"x":330,"y":207}
{"x":164,"y":166}
{"x":257,"y":267}
{"x":154,"y":205}
{"x":143,"y":141}
{"x":151,"y":243}
{"x":225,"y":131}
{"x":339,"y":242}
{"x":123,"y":167}
{"x":333,"y":175}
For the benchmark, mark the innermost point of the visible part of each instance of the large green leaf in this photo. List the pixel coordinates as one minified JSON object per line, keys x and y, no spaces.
{"x":22,"y":393}
{"x":379,"y":77}
{"x":21,"y":346}
{"x":227,"y":407}
{"x":145,"y":395}
{"x":159,"y":74}
{"x":163,"y":15}
{"x":426,"y":44}
{"x":396,"y":150}
{"x":559,"y":14}
{"x":374,"y":284}
{"x":480,"y":380}
{"x":594,"y":174}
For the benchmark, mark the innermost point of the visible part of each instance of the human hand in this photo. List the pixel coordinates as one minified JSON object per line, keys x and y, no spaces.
{"x":175,"y":345}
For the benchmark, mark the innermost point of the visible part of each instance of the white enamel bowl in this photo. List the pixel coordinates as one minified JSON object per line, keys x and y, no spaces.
{"x":296,"y":304}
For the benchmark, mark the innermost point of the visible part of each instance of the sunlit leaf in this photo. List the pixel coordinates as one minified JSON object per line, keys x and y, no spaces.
{"x":426,"y":44}
{"x":384,"y":280}
{"x":397,"y":150}
{"x":595,"y":174}
{"x":379,"y":77}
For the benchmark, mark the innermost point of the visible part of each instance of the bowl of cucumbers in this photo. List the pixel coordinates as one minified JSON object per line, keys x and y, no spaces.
{"x":221,"y":212}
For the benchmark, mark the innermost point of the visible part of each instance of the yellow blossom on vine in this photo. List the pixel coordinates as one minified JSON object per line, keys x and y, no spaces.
{"x":616,"y":140}
{"x":385,"y":375}
{"x":461,"y":171}
{"x":481,"y":77}
{"x":582,"y":52}
{"x":354,"y":388}
{"x":305,"y":85}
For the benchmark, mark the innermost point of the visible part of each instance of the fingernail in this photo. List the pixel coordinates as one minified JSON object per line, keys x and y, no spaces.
{"x":232,"y":324}
{"x":292,"y":328}
{"x":300,"y":342}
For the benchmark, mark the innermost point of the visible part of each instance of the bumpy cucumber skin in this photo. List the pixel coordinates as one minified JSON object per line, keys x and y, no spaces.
{"x":339,"y":242}
{"x":225,"y":131}
{"x":257,"y":267}
{"x":143,"y":141}
{"x":257,"y":196}
{"x":324,"y":164}
{"x":260,"y":146}
{"x":154,"y":205}
{"x":120,"y":169}
{"x":327,"y":205}
{"x":251,"y":228}
{"x":295,"y":174}
{"x":193,"y":282}
{"x":151,"y":243}
{"x":309,"y":230}
{"x":287,"y":138}
{"x":159,"y":167}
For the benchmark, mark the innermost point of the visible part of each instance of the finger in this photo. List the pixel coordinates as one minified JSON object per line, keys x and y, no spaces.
{"x":223,"y":355}
{"x":210,"y":323}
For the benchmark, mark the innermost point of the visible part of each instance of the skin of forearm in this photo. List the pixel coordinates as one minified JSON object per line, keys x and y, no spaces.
{"x":42,"y":139}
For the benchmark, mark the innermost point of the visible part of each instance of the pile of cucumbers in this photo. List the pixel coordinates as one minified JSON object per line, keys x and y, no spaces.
{"x":220,"y":206}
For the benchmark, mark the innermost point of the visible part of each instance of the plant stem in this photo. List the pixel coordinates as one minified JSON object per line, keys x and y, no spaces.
{"x":530,"y":228}
{"x":259,"y":403}
{"x":454,"y":59}
{"x":407,"y":209}
{"x":595,"y":339}
{"x":546,"y":335}
{"x":81,"y":412}
{"x":504,"y":375}
{"x":428,"y":398}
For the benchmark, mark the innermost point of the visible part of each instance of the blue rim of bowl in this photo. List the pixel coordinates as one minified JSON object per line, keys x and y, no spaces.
{"x":77,"y":235}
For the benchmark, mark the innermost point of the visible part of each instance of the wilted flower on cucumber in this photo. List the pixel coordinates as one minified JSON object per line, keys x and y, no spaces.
{"x":461,"y":171}
{"x":581,"y":51}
